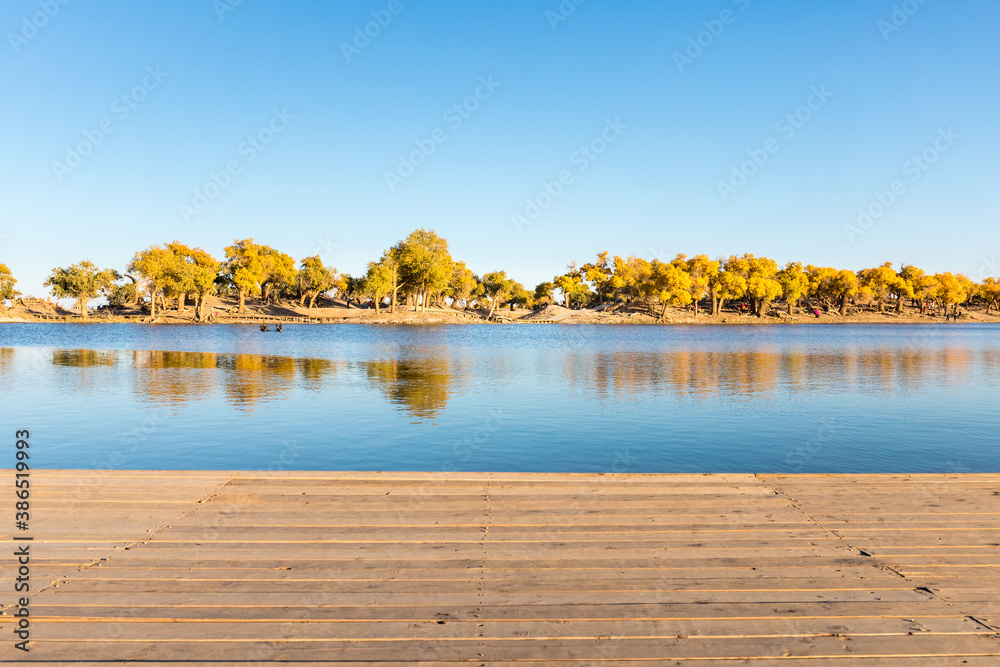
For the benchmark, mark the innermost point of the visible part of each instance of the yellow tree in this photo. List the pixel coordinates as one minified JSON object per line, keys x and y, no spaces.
{"x":278,"y":272}
{"x":989,"y":291}
{"x":155,"y":266}
{"x":630,"y":274}
{"x":794,"y":283}
{"x":919,"y":284}
{"x":461,"y":284}
{"x":571,"y":285}
{"x":314,"y":279}
{"x":379,"y":282}
{"x":844,"y":284}
{"x":194,"y":272}
{"x":244,"y":269}
{"x":598,"y":274}
{"x":425,"y":263}
{"x":7,"y":291}
{"x":495,"y":288}
{"x":880,"y":283}
{"x":951,"y":290}
{"x":725,"y":286}
{"x":703,"y":271}
{"x":671,"y":284}
{"x":759,"y":274}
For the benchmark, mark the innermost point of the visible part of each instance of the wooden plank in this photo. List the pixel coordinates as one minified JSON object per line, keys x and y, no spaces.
{"x":513,"y":568}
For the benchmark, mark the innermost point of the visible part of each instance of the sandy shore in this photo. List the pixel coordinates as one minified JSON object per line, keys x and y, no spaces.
{"x":223,"y":312}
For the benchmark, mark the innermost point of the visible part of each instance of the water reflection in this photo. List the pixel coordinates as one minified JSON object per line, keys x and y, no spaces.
{"x":6,"y":359}
{"x":84,"y":358}
{"x":420,"y":386}
{"x":420,"y":382}
{"x":169,"y":378}
{"x":760,"y":373}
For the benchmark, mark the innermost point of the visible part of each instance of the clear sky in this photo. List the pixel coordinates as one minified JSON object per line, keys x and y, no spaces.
{"x":115,"y":112}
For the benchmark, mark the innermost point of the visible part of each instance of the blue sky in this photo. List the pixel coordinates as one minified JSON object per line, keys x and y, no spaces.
{"x":200,"y":78}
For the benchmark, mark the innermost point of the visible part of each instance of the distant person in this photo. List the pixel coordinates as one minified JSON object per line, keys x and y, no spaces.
{"x":816,"y":312}
{"x":263,"y":327}
{"x":278,"y":328}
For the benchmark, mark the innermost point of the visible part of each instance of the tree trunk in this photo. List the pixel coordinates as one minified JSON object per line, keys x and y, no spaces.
{"x":83,"y":307}
{"x":843,"y":305}
{"x":720,"y":304}
{"x":789,"y":307}
{"x":181,"y":302}
{"x":243,"y":301}
{"x":135,"y":290}
{"x":493,"y":305}
{"x":152,"y":304}
{"x":312,"y":301}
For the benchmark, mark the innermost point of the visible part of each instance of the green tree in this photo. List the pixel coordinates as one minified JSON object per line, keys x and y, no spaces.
{"x":83,"y":282}
{"x":7,"y":291}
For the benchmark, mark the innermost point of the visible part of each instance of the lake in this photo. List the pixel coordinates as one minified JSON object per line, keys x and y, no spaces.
{"x":544,"y":398}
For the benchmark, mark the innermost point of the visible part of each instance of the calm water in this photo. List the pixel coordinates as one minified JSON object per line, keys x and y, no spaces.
{"x":507,"y":398}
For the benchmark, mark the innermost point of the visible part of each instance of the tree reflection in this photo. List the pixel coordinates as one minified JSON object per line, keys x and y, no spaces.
{"x":84,"y":358}
{"x":168,"y":377}
{"x":419,"y":385}
{"x":761,"y":373}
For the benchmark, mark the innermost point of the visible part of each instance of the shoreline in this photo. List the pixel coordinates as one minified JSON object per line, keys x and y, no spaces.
{"x":466,"y":319}
{"x":223,"y":311}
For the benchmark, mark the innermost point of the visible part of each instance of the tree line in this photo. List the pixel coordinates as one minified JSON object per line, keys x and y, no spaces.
{"x":419,"y":271}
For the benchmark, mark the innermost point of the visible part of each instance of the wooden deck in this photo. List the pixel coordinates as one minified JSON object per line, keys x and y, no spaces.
{"x":205,"y":568}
